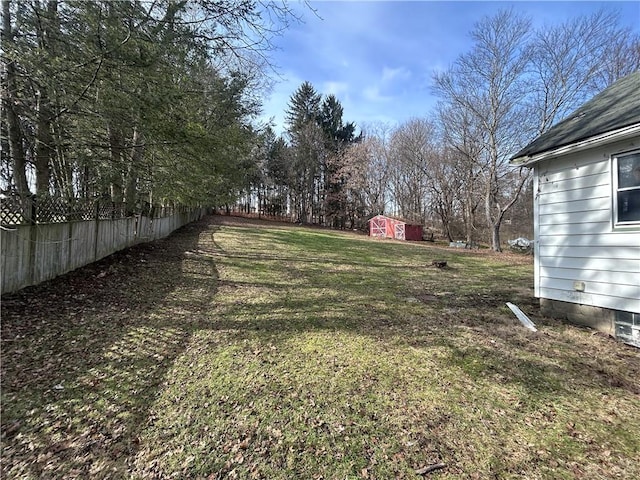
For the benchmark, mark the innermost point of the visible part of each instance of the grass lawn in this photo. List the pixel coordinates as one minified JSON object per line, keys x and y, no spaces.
{"x":239,"y":349}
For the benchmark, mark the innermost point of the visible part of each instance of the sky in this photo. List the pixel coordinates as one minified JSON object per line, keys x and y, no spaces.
{"x":378,"y":57}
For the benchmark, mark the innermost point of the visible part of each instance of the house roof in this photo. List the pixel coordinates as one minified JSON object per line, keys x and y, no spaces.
{"x":615,"y":108}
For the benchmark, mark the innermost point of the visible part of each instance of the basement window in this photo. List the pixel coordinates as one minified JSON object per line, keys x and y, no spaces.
{"x":626,"y":183}
{"x":628,"y":327}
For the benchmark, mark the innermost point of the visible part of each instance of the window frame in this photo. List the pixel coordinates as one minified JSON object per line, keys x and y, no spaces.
{"x":615,"y":190}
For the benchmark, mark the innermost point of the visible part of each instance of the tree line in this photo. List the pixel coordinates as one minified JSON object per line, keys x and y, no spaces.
{"x":156,"y":101}
{"x":133,"y":101}
{"x":449,"y":169}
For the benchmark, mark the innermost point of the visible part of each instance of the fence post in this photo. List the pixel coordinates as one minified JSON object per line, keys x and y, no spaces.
{"x":34,"y":210}
{"x":33,"y":240}
{"x":96,"y":218}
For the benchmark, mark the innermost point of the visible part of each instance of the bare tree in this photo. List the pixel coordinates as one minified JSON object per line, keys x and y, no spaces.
{"x":376,"y":174}
{"x":619,"y":52}
{"x":489,"y":84}
{"x":575,"y":60}
{"x":365,"y":170}
{"x":411,"y":153}
{"x":445,"y":186}
{"x":464,"y":144}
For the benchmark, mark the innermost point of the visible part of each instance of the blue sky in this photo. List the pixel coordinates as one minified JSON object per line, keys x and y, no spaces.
{"x":378,"y":57}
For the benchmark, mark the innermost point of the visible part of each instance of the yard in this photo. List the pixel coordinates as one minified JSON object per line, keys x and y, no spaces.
{"x":239,"y":349}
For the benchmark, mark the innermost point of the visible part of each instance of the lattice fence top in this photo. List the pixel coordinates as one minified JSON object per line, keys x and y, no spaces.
{"x":17,"y":210}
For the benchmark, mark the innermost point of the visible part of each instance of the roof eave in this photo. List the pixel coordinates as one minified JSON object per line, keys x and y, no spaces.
{"x":591,"y":142}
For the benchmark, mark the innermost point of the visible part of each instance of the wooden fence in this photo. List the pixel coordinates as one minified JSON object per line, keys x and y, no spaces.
{"x":35,"y":252}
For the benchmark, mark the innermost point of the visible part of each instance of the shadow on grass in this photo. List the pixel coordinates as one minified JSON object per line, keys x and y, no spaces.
{"x":544,"y":364}
{"x":84,"y":354}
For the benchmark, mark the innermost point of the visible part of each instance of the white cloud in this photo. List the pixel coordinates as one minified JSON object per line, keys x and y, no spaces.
{"x":373,"y":94}
{"x":390,"y":74}
{"x":335,"y":88}
{"x":379,"y":57}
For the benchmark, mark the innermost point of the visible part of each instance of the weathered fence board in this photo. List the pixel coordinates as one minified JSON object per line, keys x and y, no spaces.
{"x":82,"y":245}
{"x":116,"y":234}
{"x":50,"y":244}
{"x":31,"y":254}
{"x":15,"y":249}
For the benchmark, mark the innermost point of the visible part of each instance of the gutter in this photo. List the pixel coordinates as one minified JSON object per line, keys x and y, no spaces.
{"x":604,"y":138}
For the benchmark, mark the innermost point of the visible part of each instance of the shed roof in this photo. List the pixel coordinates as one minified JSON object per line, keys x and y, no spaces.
{"x":616,"y":107}
{"x":395,"y":219}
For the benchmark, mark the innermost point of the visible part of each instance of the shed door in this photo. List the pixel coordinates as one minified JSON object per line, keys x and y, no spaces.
{"x":399,"y":233}
{"x":378,"y":227}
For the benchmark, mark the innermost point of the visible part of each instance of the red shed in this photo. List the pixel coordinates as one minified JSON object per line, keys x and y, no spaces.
{"x":388,"y":227}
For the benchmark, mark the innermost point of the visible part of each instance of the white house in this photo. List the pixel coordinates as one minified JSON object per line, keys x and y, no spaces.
{"x":587,"y":213}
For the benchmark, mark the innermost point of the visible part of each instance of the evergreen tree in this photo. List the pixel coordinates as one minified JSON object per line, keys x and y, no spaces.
{"x":135,"y":101}
{"x":337,"y":137}
{"x":307,"y":150}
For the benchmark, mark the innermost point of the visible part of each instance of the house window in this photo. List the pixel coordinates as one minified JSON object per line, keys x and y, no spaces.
{"x":627,"y":188}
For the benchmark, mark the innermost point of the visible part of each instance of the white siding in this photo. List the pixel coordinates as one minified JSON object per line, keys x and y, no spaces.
{"x":576,"y":241}
{"x":592,"y":275}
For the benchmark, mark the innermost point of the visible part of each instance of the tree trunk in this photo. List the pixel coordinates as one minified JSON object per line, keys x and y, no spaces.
{"x":469,"y":209}
{"x":491,"y":195}
{"x":47,"y":33}
{"x":495,"y":237}
{"x":492,"y":223}
{"x":131,"y":184}
{"x":16,"y":151}
{"x":468,"y":221}
{"x":115,"y":152}
{"x":62,"y":170}
{"x":260,"y":200}
{"x":44,"y":144}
